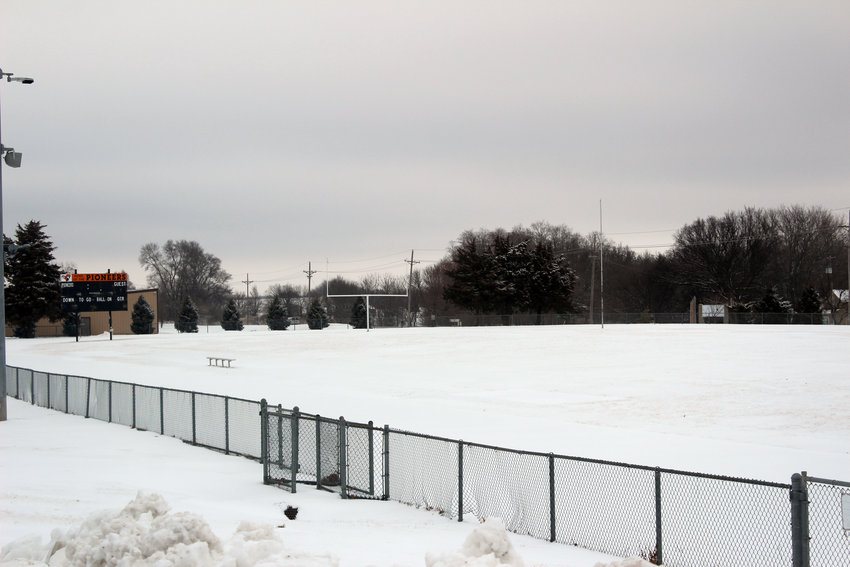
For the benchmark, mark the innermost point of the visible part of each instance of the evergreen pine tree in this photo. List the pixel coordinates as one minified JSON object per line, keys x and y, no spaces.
{"x":769,"y":303}
{"x":771,"y":308}
{"x":277,"y":316}
{"x":70,"y":324}
{"x":358,"y":314}
{"x":809,"y":307}
{"x":317,"y":317}
{"x":809,"y":301}
{"x":187,"y":318}
{"x":230,"y":318}
{"x":142,"y":317}
{"x":33,"y":281}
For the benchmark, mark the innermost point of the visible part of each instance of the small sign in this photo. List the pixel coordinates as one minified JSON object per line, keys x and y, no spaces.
{"x":845,"y":511}
{"x":108,"y":277}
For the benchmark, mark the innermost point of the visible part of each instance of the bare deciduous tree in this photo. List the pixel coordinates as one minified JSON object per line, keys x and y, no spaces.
{"x":181,"y":269}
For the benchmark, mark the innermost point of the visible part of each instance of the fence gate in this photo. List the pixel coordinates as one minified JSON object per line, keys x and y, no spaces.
{"x":330,"y":454}
{"x":829,"y":521}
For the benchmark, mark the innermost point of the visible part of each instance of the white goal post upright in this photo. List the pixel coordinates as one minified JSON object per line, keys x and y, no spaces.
{"x":367,"y":295}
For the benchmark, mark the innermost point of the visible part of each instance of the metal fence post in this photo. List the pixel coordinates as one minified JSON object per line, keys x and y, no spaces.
{"x":194,"y":436}
{"x":551,"y":497}
{"x":48,"y":391}
{"x":226,"y":425}
{"x":66,"y":392}
{"x":32,"y":391}
{"x":371,"y":459}
{"x":88,"y":394}
{"x":343,"y":464}
{"x":279,"y":421}
{"x":799,"y":521}
{"x":293,"y":434}
{"x":109,"y":399}
{"x":318,"y":452}
{"x":460,"y":480}
{"x":161,"y":411}
{"x":658,"y":554}
{"x":386,"y":495}
{"x":264,"y":439}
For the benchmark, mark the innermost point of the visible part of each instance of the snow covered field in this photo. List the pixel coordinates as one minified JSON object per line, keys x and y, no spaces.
{"x":750,"y":401}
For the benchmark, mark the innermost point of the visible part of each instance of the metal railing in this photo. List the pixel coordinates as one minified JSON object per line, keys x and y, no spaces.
{"x":681,"y":518}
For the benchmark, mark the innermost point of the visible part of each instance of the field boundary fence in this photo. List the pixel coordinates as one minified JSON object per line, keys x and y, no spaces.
{"x":223,"y":423}
{"x":683,"y":519}
{"x":680,"y":518}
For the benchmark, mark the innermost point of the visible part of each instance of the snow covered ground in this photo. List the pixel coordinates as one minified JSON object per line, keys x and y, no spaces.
{"x":754,"y":401}
{"x":59,"y":469}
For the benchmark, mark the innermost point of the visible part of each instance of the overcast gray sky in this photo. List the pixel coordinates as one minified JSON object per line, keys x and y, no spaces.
{"x":276,"y":133}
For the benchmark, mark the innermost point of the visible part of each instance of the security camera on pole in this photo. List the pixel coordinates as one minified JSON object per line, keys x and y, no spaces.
{"x":12,"y":159}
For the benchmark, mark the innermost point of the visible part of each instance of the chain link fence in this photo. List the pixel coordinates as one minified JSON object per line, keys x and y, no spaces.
{"x":681,"y":518}
{"x":231,"y":425}
{"x":828,"y":521}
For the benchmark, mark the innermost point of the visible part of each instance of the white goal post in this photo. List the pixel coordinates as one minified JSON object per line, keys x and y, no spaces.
{"x":366,"y":295}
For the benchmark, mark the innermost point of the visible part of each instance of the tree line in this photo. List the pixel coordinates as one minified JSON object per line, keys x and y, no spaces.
{"x":786,"y":259}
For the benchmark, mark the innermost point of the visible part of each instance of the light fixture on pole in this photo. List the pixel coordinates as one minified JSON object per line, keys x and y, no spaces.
{"x":12,"y":159}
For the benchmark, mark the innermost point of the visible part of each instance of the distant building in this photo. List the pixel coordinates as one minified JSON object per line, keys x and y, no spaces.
{"x":712,"y":314}
{"x":97,"y":322}
{"x":835,"y":308}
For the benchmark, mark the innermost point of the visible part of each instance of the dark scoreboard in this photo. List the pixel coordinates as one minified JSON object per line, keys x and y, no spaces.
{"x":93,"y":292}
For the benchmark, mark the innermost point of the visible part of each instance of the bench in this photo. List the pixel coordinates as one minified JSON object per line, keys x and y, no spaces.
{"x":219,"y":361}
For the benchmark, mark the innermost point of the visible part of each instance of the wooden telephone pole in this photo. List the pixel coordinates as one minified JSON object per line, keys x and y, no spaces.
{"x":409,"y":283}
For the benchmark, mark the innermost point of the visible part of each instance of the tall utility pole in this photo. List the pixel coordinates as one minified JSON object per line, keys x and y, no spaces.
{"x":592,"y":281}
{"x":409,"y":284}
{"x":309,"y":271}
{"x":601,"y":271}
{"x":247,"y":282}
{"x":12,"y":159}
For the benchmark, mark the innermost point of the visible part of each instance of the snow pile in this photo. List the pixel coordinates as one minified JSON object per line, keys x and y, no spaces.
{"x":145,"y":534}
{"x":487,"y":546}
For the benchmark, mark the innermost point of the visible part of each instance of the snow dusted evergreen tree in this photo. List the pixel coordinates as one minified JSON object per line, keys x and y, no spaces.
{"x":772,"y":308}
{"x":471,"y":273}
{"x":770,"y":303}
{"x":187,"y":318}
{"x":142,"y":317}
{"x":358,"y":314}
{"x":550,"y":282}
{"x":32,"y":278}
{"x":230,"y":318}
{"x":317,"y":317}
{"x":277,"y":315}
{"x":809,"y":301}
{"x":494,"y":274}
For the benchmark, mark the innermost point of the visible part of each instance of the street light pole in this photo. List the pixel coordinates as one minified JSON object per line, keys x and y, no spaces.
{"x":12,"y":159}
